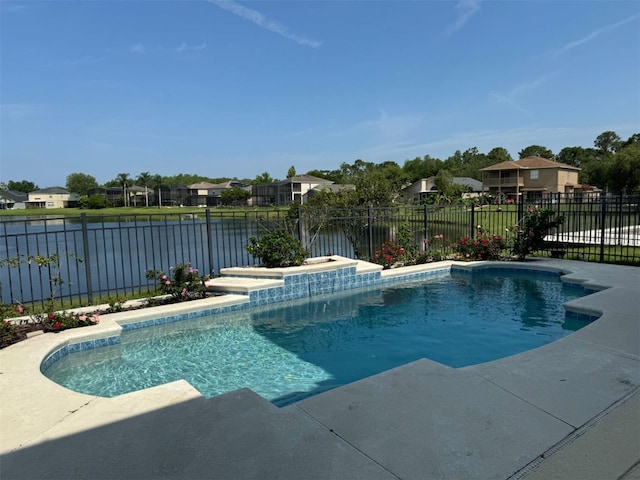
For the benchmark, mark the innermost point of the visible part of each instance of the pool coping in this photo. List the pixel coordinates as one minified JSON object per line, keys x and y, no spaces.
{"x":613,"y":338}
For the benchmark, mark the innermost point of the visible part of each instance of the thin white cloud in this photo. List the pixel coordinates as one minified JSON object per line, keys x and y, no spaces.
{"x":13,"y":7}
{"x":263,"y":22}
{"x":592,"y":35}
{"x":17,"y":111}
{"x":195,"y":48}
{"x":137,"y":49}
{"x":510,"y":97}
{"x":396,"y":127}
{"x":465,"y":9}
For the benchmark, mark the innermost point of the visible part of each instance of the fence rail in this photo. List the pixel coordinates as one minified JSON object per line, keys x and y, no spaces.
{"x":101,"y":257}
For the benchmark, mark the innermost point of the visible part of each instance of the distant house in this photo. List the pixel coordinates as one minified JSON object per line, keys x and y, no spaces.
{"x":207,"y":194}
{"x":529,"y":178}
{"x":131,"y":195}
{"x":285,"y":192}
{"x":326,"y":187}
{"x":12,"y":200}
{"x":172,"y":195}
{"x":423,"y":188}
{"x":53,"y":197}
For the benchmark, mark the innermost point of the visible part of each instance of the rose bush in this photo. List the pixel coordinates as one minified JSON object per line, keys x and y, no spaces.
{"x":183,"y":282}
{"x":391,"y":254}
{"x":482,"y":247}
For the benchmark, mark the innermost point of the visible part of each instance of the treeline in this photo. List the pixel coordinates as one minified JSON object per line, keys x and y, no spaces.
{"x":612,"y":164}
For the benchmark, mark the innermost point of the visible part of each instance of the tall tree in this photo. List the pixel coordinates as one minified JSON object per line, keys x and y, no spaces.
{"x":123,"y":179}
{"x":144,"y":179}
{"x":635,"y":138}
{"x":578,"y":156}
{"x":291,"y":172}
{"x":607,"y":142}
{"x":498,"y":155}
{"x":235,"y":196}
{"x":536,"y":151}
{"x":23,"y":186}
{"x":264,"y":177}
{"x":80,"y":182}
{"x":333,"y":175}
{"x":374,"y":189}
{"x":421,"y":168}
{"x":624,"y":170}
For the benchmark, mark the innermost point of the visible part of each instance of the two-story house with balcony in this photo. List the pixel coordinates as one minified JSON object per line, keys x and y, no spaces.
{"x":529,"y":178}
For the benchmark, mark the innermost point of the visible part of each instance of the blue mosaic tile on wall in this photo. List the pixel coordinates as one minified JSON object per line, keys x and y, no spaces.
{"x":584,"y":317}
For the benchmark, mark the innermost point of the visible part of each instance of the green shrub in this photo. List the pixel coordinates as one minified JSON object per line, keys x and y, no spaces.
{"x":528,"y":235}
{"x":277,"y":249}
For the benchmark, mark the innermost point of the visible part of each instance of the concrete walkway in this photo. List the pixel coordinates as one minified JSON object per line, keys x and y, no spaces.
{"x":568,"y":410}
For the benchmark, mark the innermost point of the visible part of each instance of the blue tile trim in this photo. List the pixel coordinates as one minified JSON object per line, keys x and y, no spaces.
{"x":581,"y":316}
{"x":77,"y":347}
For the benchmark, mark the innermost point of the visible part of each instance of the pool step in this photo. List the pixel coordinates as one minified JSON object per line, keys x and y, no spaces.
{"x":239,"y":285}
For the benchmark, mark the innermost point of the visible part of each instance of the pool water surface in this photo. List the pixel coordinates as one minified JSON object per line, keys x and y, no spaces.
{"x":292,"y":350}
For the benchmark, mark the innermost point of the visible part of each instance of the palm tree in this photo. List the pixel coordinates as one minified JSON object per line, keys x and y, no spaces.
{"x":123,"y":179}
{"x":144,"y":180}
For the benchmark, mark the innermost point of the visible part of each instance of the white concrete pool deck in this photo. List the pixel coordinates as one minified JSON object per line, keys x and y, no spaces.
{"x":568,"y":410}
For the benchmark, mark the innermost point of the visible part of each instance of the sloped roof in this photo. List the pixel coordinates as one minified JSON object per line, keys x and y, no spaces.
{"x":305,"y":179}
{"x":202,"y":186}
{"x":51,"y":191}
{"x":472,"y":183}
{"x":528,"y":163}
{"x":14,"y":195}
{"x":334,"y":187}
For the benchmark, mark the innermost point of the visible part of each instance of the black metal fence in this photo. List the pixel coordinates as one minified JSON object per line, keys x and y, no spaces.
{"x":101,"y":257}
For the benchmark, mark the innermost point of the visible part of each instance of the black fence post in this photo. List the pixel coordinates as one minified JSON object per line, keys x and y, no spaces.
{"x":473,"y":221}
{"x":370,"y":220}
{"x":209,"y":240}
{"x":86,"y":257}
{"x":426,"y":228}
{"x":603,"y":219}
{"x":520,"y":210}
{"x":300,"y":225}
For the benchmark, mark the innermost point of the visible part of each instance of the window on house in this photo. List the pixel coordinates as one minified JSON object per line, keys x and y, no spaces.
{"x":534,"y":174}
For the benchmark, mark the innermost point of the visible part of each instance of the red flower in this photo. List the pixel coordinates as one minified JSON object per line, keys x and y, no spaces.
{"x":57,"y":325}
{"x":52,"y":316}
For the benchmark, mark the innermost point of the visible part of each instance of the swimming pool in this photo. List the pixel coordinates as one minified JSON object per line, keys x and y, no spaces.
{"x":292,"y":350}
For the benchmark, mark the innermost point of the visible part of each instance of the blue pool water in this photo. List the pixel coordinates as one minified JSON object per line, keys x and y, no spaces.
{"x":292,"y":350}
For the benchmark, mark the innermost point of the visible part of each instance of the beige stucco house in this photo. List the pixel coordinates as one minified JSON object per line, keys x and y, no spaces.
{"x":53,"y":197}
{"x":529,"y":178}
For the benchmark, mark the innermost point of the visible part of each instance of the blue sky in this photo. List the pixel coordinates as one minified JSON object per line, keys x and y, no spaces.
{"x":233,"y":89}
